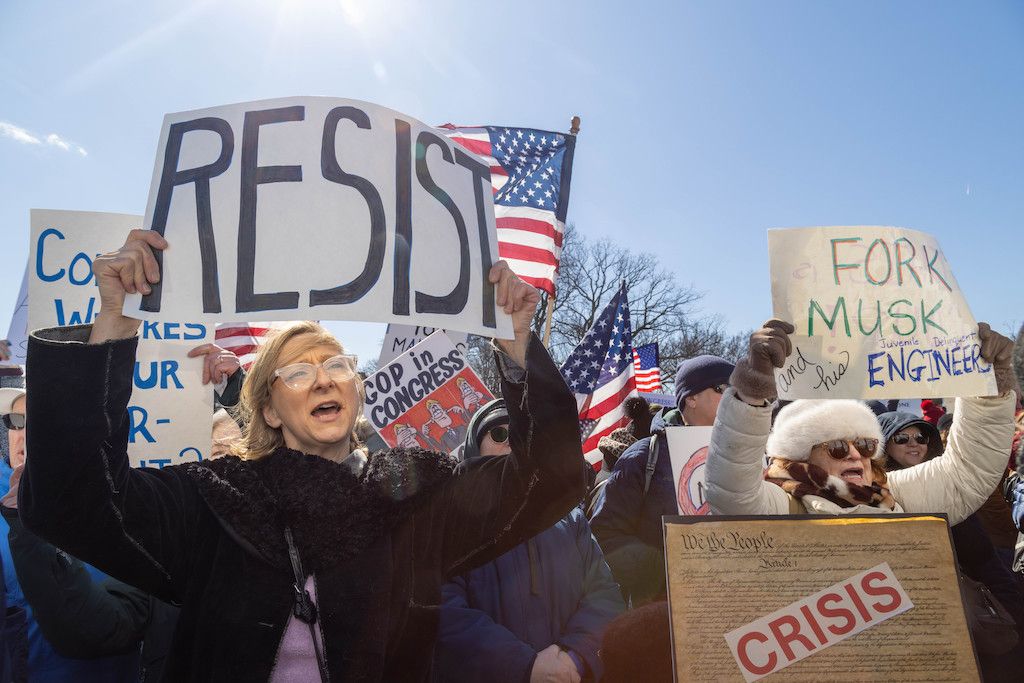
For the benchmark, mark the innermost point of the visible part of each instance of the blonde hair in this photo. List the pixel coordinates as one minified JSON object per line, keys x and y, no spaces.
{"x":258,"y":438}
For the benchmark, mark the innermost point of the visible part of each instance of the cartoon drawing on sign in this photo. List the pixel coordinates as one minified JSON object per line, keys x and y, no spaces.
{"x":451,"y":432}
{"x":406,"y":436}
{"x":471,"y":398}
{"x":692,"y":500}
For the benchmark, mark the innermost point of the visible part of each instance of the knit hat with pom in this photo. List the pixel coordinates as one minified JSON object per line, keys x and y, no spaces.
{"x":803,"y":424}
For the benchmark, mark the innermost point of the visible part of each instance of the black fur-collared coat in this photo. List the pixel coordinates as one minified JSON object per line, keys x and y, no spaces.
{"x":209,"y":536}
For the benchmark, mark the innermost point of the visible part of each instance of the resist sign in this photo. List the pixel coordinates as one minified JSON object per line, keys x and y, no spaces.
{"x":818,"y":621}
{"x":313,"y":208}
{"x":878,"y":315}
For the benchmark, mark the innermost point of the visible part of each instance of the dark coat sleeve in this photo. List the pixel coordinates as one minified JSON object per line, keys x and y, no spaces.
{"x":473,"y":647}
{"x":616,"y":520}
{"x":601,"y":601}
{"x":493,"y":504}
{"x":79,"y":617}
{"x":78,"y":490}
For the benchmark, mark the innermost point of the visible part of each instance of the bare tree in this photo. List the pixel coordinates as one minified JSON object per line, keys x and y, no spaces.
{"x":661,"y":308}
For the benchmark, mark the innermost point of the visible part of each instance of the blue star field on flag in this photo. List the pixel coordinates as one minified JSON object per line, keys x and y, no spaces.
{"x":605,"y":351}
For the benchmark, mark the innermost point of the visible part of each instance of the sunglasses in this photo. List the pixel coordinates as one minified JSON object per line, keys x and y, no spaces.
{"x":13,"y":421}
{"x":301,"y":376}
{"x":839,"y":448}
{"x":904,"y":439}
{"x":498,"y":434}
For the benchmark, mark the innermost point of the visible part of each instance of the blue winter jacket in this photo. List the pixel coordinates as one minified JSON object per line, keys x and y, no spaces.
{"x":555,"y":588}
{"x":622,"y":513}
{"x":44,"y":664}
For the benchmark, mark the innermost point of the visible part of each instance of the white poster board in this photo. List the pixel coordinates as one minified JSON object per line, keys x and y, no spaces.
{"x":688,"y":447}
{"x":17,"y":332}
{"x":425,"y":397}
{"x":401,"y":338}
{"x":315,"y":208}
{"x":878,"y":315}
{"x":170,"y":411}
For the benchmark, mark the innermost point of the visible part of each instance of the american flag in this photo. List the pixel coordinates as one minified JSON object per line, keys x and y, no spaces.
{"x":530,"y":174}
{"x":646,"y":367}
{"x":600,"y":372}
{"x":244,"y":339}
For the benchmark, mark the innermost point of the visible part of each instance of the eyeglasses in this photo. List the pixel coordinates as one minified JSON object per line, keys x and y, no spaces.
{"x":300,"y":376}
{"x":720,"y":388}
{"x":14,"y":421}
{"x":904,"y":439}
{"x":498,"y":434}
{"x":839,"y":449}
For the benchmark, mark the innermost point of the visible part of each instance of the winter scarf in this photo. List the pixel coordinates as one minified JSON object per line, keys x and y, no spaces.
{"x":800,"y":479}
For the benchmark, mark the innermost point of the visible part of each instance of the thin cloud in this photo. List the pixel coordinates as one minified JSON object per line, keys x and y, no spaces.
{"x":24,"y":136}
{"x":18,"y":134}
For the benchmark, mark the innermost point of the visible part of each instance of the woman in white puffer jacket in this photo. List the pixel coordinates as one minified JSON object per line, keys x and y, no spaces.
{"x":826,"y":455}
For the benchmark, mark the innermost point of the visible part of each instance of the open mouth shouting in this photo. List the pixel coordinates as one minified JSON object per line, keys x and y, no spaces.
{"x":326,"y":411}
{"x":853,"y":474}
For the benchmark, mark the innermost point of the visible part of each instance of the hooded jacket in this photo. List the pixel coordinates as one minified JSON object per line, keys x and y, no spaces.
{"x":209,"y":536}
{"x":957,"y":483}
{"x":554,"y":589}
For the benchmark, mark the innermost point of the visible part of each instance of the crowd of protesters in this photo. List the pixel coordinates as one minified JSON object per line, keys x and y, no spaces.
{"x":302,"y":550}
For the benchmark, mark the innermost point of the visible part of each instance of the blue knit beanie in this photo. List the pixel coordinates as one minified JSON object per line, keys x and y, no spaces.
{"x":697,"y":374}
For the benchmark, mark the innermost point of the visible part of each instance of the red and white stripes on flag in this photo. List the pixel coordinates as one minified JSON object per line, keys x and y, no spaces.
{"x":647,"y":368}
{"x":245,"y":339}
{"x":599,"y":372}
{"x":530,"y":174}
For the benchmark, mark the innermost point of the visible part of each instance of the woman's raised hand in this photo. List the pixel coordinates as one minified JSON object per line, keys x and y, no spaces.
{"x":998,"y":350}
{"x":754,"y":376}
{"x":519,"y":300}
{"x":129,"y":270}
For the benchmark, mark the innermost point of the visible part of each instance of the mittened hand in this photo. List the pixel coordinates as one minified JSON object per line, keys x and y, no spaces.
{"x":998,"y":350}
{"x":754,"y":376}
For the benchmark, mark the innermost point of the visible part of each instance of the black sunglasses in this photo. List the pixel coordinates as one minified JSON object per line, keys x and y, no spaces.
{"x":14,"y":421}
{"x":838,"y":448}
{"x":498,"y":434}
{"x":904,"y":439}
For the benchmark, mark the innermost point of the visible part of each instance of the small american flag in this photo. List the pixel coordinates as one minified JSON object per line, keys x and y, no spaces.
{"x":646,"y":366}
{"x":530,"y":174}
{"x":244,"y":339}
{"x":600,"y":372}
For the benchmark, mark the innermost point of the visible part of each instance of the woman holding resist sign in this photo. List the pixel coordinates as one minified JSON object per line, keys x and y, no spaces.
{"x":302,"y":559}
{"x":826,"y":455}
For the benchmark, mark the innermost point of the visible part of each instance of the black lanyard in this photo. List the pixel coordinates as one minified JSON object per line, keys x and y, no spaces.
{"x":304,"y":609}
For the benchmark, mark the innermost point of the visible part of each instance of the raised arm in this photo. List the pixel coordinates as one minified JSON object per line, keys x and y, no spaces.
{"x":493,"y":504}
{"x":977,"y":450}
{"x":735,"y":464}
{"x":78,"y":490}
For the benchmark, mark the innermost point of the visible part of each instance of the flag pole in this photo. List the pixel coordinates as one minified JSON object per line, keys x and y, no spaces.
{"x":574,"y":129}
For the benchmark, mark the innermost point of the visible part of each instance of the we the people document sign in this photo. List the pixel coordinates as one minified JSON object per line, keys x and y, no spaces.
{"x":801,"y":598}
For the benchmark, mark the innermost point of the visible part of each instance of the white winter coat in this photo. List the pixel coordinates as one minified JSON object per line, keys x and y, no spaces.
{"x":957,"y":483}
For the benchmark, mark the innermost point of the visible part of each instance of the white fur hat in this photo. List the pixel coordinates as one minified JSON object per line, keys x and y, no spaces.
{"x":803,"y":424}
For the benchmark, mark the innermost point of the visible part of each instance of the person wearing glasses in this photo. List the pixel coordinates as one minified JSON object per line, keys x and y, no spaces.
{"x":909,"y":440}
{"x":300,"y":557}
{"x":629,"y":505}
{"x":538,"y":612}
{"x":825,"y":456}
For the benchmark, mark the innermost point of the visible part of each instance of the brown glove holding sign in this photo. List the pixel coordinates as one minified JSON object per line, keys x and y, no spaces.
{"x":754,"y":376}
{"x":998,"y":350}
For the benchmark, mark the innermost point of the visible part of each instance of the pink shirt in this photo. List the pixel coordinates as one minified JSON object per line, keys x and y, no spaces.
{"x":296,"y":659}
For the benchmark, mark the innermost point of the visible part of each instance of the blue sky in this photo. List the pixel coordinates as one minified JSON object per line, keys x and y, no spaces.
{"x":703,"y":123}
